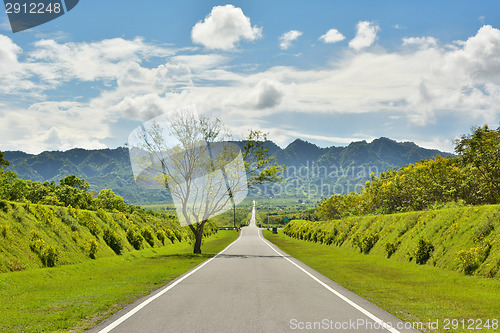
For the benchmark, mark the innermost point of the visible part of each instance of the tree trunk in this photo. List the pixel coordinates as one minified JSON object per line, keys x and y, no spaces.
{"x":198,"y":238}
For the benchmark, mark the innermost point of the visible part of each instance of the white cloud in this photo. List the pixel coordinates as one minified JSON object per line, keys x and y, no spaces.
{"x":365,"y":36}
{"x":11,"y":70}
{"x":479,"y":57}
{"x":288,"y":37}
{"x":53,"y":126}
{"x":441,"y":144}
{"x":415,"y":87}
{"x":102,"y":60}
{"x":199,"y":62}
{"x":422,"y":42}
{"x":224,"y":28}
{"x":332,"y":36}
{"x":269,"y":94}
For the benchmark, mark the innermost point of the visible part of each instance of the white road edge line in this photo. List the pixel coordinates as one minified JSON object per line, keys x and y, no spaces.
{"x":345,"y":299}
{"x":152,"y":298}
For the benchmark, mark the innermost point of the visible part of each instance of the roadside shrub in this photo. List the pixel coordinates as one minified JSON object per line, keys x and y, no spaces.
{"x":366,"y":243}
{"x":93,"y":247}
{"x":4,"y":205}
{"x":160,"y":234}
{"x":37,"y":245}
{"x":113,"y":240}
{"x":134,"y":237}
{"x":3,"y":230}
{"x":171,"y":235}
{"x":147,"y":233}
{"x":391,"y":248}
{"x":49,"y":256}
{"x":88,"y":221}
{"x":178,"y":235}
{"x":423,"y":251}
{"x":483,"y":230}
{"x":328,"y":239}
{"x":470,"y":260}
{"x":70,"y":222}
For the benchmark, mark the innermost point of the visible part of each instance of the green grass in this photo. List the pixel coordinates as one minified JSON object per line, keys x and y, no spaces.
{"x":464,"y":239}
{"x":78,"y":296}
{"x":71,"y":232}
{"x":414,"y":293}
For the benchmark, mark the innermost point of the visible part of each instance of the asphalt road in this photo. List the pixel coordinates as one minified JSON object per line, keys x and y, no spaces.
{"x":252,"y":286}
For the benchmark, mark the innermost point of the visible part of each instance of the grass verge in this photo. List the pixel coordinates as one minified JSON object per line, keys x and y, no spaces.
{"x":76,"y":297}
{"x":414,"y":293}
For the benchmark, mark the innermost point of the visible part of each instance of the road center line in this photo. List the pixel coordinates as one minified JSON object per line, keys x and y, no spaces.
{"x":345,"y":299}
{"x":152,"y":298}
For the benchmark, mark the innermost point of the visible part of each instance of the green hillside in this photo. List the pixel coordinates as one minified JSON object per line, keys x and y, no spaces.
{"x":33,"y":235}
{"x":465,"y":239}
{"x":307,"y":164}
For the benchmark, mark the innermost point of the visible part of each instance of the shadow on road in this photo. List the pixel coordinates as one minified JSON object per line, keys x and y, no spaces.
{"x":246,"y":256}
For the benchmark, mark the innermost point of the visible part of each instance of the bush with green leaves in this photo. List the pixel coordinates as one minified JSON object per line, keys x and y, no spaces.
{"x":113,"y":240}
{"x":366,"y":243}
{"x":92,"y":248}
{"x":391,"y":248}
{"x":423,"y":252}
{"x":160,"y":234}
{"x":134,"y":237}
{"x":470,"y":260}
{"x":49,"y":256}
{"x":4,"y":206}
{"x":148,"y":235}
{"x":87,"y":220}
{"x":4,"y":230}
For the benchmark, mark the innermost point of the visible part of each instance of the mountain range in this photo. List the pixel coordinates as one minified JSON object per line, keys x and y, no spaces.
{"x":307,"y":164}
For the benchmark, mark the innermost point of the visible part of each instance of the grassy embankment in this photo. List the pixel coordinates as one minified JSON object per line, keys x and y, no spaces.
{"x":33,"y":236}
{"x":102,"y":260}
{"x":459,"y":280}
{"x":78,"y":296}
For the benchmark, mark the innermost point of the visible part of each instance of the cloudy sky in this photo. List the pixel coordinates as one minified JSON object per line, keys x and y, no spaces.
{"x":329,"y":72}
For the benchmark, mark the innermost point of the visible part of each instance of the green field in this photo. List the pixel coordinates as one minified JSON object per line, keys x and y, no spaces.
{"x":78,"y":296}
{"x":414,"y":293}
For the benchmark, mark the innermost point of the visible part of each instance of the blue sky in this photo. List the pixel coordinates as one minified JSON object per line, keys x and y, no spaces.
{"x":329,"y":72}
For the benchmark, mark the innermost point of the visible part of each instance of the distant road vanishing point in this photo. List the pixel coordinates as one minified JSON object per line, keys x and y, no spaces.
{"x":252,"y":286}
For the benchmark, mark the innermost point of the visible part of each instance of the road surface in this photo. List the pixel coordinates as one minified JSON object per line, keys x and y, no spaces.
{"x":252,"y":286}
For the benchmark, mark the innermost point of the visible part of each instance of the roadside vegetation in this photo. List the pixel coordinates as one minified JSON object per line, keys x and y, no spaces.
{"x":76,"y":297}
{"x":34,"y":235}
{"x":470,"y":178}
{"x":417,"y":294}
{"x":462,"y":239}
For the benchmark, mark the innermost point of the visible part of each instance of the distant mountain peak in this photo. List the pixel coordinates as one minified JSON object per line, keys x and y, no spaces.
{"x":301,"y":143}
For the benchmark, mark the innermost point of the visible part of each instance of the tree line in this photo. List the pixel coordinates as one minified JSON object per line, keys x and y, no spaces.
{"x":471,"y":177}
{"x":70,"y":191}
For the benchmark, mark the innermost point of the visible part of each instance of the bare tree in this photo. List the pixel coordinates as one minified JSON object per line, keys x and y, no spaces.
{"x":190,"y":156}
